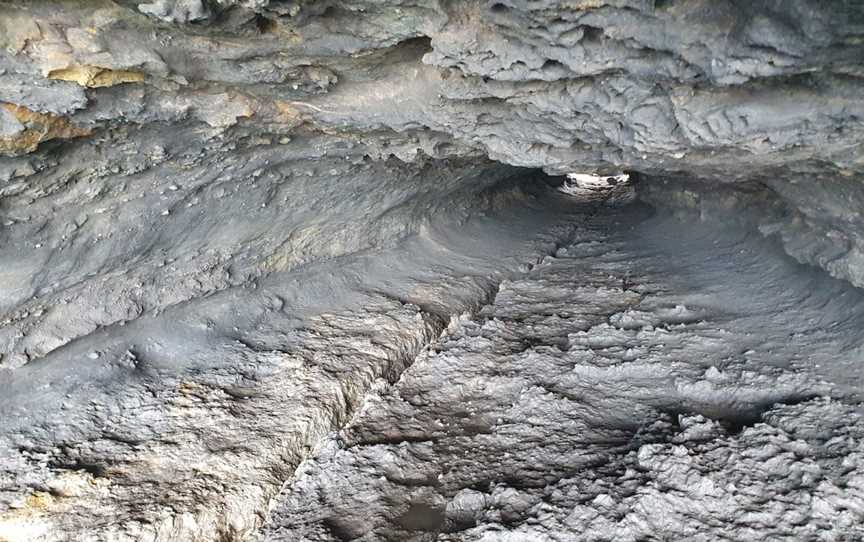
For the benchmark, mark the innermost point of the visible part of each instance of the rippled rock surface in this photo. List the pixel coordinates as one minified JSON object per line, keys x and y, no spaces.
{"x":621,"y":390}
{"x":242,"y":236}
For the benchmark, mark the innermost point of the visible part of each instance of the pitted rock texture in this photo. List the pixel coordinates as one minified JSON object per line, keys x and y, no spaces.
{"x":222,"y":222}
{"x":608,"y":396}
{"x":181,"y":424}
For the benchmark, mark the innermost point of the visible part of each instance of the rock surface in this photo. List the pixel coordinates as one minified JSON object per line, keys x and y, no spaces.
{"x":607,"y":396}
{"x":719,"y":91}
{"x":223,"y":222}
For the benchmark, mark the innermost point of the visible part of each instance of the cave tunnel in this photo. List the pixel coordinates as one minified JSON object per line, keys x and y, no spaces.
{"x":390,"y":270}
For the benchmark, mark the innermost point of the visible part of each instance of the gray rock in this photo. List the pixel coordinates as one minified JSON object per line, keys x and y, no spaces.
{"x":228,"y":228}
{"x":177,"y":11}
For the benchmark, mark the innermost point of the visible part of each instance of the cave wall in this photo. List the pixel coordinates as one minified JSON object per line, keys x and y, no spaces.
{"x":729,"y":91}
{"x":161,"y":160}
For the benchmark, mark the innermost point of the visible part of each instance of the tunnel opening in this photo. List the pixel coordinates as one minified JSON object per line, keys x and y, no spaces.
{"x":480,"y":296}
{"x":430,"y":271}
{"x":594,"y":299}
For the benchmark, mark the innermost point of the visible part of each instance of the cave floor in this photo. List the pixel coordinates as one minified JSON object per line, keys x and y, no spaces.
{"x":545,"y":369}
{"x":652,"y":380}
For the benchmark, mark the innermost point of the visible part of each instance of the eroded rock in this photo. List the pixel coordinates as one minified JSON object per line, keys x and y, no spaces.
{"x":222,"y":223}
